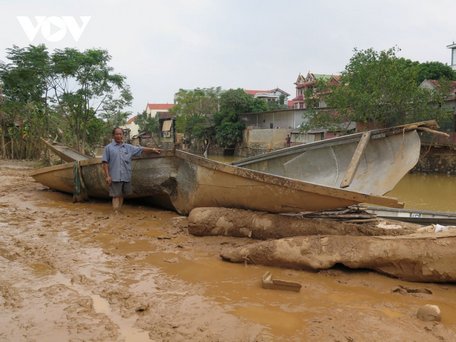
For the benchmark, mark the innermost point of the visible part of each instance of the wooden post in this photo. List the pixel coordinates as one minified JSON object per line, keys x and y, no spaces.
{"x":351,"y":170}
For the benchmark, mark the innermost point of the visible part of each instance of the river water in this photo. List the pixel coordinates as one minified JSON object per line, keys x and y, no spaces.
{"x":435,"y":192}
{"x":427,"y":192}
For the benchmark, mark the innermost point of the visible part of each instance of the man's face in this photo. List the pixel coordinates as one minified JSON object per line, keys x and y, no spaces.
{"x":118,"y":136}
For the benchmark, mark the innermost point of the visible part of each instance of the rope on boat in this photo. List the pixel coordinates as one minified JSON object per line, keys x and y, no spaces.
{"x":80,"y":191}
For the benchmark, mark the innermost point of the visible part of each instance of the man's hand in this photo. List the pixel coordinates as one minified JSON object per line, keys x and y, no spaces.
{"x":108,"y":180}
{"x":151,"y":150}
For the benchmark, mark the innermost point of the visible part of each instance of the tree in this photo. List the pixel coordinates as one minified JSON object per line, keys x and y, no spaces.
{"x":228,"y":128}
{"x":315,"y":117}
{"x":378,"y":87}
{"x":85,"y":86}
{"x":434,"y":71}
{"x":25,"y":101}
{"x":194,"y":110}
{"x":212,"y":114}
{"x":147,"y":123}
{"x":41,"y":89}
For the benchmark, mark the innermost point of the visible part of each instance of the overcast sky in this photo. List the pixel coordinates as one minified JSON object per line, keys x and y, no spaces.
{"x":161,"y":46}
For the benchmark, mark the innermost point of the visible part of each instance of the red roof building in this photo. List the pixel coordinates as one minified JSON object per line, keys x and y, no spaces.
{"x":159,"y":106}
{"x":303,"y":84}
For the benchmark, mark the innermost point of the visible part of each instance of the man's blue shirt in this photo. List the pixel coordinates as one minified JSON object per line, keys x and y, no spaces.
{"x":118,"y":157}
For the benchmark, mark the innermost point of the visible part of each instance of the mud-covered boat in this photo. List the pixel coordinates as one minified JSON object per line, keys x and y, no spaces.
{"x":371,"y":162}
{"x":66,"y":153}
{"x":182,"y":181}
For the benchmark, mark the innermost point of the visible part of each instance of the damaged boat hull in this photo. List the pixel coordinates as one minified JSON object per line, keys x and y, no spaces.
{"x":183,"y":181}
{"x":384,"y":157}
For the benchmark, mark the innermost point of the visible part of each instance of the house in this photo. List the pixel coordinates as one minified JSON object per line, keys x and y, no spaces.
{"x":161,"y":112}
{"x":274,"y":95}
{"x":152,"y":109}
{"x":450,"y":100}
{"x":309,"y":82}
{"x":453,"y":55}
{"x":156,"y":110}
{"x":435,"y":84}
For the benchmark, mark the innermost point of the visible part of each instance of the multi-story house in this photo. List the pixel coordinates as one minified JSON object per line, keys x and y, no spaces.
{"x":307,"y":84}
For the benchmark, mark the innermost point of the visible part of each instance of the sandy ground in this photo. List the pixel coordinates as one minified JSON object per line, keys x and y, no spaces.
{"x":77,"y":272}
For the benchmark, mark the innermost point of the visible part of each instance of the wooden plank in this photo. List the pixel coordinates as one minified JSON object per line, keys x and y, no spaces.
{"x":353,"y":166}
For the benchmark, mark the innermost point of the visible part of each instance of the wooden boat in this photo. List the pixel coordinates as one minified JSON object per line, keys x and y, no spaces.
{"x":414,"y":216}
{"x":66,"y":153}
{"x":372,"y":162}
{"x":182,"y":181}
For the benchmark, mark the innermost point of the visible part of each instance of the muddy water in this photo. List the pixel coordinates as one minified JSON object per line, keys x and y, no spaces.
{"x":323,"y":294}
{"x":427,"y":192}
{"x":77,"y":272}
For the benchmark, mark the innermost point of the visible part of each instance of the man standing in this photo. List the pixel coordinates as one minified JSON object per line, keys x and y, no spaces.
{"x":117,"y":166}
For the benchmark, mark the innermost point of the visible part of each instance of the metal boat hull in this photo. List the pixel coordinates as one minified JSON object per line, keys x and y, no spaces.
{"x":182,"y":181}
{"x":388,"y":156}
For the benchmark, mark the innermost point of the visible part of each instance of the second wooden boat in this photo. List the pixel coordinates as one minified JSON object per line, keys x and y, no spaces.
{"x":370,"y":162}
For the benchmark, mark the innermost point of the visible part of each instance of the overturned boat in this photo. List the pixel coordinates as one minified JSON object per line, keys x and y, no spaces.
{"x":182,"y":181}
{"x":371,"y":162}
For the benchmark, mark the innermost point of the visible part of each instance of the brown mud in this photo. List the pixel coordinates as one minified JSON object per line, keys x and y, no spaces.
{"x":76,"y":272}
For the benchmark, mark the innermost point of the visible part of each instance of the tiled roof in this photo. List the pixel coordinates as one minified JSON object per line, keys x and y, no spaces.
{"x":436,"y":84}
{"x":132,"y":119}
{"x":254,"y":92}
{"x":158,"y":106}
{"x":269,"y":91}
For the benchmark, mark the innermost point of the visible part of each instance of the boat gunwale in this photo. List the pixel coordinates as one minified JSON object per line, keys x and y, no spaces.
{"x":60,"y":150}
{"x":87,"y":162}
{"x":289,"y":182}
{"x":341,"y":140}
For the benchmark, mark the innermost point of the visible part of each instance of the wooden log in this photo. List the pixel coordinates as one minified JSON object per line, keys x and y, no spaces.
{"x":424,"y":257}
{"x":262,"y":226}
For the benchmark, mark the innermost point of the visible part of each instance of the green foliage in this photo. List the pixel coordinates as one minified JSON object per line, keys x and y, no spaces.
{"x":85,"y":87}
{"x":212,"y":114}
{"x":381,"y":89}
{"x":228,"y":128}
{"x":434,"y":71}
{"x":203,"y":101}
{"x":436,"y":107}
{"x":229,"y":133}
{"x":61,"y":94}
{"x":147,"y":123}
{"x":194,"y":110}
{"x":236,"y":101}
{"x":378,"y":87}
{"x":24,"y":108}
{"x":25,"y":78}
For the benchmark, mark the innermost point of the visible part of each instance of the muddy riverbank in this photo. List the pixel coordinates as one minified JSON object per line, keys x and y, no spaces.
{"x":76,"y":272}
